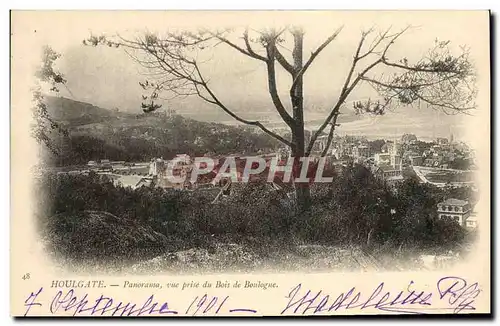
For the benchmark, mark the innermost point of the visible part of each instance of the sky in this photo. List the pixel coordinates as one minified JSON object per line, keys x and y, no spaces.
{"x":109,"y":78}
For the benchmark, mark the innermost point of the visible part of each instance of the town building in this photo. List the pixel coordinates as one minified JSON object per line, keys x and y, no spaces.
{"x":132,"y":181}
{"x":471,"y":221}
{"x":456,"y":209}
{"x":396,"y":162}
{"x":321,"y":143}
{"x":388,"y":173}
{"x":442,"y":141}
{"x":416,"y":160}
{"x":361,"y":152}
{"x":394,"y":148}
{"x":382,"y":158}
{"x":157,"y":166}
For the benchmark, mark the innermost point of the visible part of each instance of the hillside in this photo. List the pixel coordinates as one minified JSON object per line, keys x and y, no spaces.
{"x":76,"y":113}
{"x":97,"y":133}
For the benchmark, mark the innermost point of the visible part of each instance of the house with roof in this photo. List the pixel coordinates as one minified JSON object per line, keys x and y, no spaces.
{"x":361,"y":151}
{"x":133,"y":181}
{"x":458,"y":210}
{"x":416,"y":160}
{"x":157,"y":166}
{"x":442,"y":141}
{"x":388,"y":173}
{"x":382,"y":158}
{"x":471,"y":221}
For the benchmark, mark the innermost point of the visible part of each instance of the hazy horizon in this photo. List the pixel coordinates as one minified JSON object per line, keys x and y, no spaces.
{"x":109,"y":78}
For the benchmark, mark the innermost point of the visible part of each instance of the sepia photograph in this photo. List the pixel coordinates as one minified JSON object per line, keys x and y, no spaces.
{"x":206,"y":143}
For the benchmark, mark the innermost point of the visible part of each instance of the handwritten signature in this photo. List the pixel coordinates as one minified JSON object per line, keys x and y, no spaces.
{"x":69,"y":302}
{"x":455,"y":292}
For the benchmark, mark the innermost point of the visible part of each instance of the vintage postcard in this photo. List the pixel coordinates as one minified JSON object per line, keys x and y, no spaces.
{"x":250,"y":163}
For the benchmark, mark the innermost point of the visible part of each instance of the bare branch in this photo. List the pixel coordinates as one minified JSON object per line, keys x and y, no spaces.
{"x":248,"y":52}
{"x":347,"y":89}
{"x":375,"y":44}
{"x":217,"y":102}
{"x":393,"y":39}
{"x":330,"y":136}
{"x":180,"y":71}
{"x":273,"y":90}
{"x":249,"y":47}
{"x":282,"y":60}
{"x":440,"y":80}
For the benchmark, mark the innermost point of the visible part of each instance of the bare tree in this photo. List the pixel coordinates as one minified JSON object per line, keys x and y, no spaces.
{"x":439,"y":79}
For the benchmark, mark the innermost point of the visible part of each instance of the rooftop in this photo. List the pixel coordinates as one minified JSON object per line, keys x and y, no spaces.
{"x":453,"y":201}
{"x":472,"y":218}
{"x":395,"y":178}
{"x":130,"y":180}
{"x":387,"y":168}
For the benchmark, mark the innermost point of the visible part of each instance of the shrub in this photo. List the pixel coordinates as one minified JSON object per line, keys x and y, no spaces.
{"x":356,"y":209}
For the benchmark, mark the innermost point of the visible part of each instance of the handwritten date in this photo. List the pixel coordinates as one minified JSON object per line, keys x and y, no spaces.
{"x":68,"y":302}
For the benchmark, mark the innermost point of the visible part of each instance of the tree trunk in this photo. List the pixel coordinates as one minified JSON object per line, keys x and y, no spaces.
{"x":302,"y":190}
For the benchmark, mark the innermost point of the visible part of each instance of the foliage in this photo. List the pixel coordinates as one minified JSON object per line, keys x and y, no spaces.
{"x":356,"y":209}
{"x":375,"y":146}
{"x":44,"y":124}
{"x":407,"y":138}
{"x":460,"y":163}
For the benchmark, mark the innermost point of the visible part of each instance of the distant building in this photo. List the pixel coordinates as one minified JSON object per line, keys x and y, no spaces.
{"x":471,"y":221}
{"x":320,"y":143}
{"x":284,"y":153}
{"x":382,"y":158}
{"x":416,"y":160}
{"x":437,"y":148}
{"x":408,"y":138}
{"x":396,"y":162}
{"x":132,"y":181}
{"x":183,"y":159}
{"x":117,"y":163}
{"x":157,"y":167}
{"x":432,"y":162}
{"x":342,"y":149}
{"x":361,"y":151}
{"x":183,"y":166}
{"x":105,"y":164}
{"x":442,"y":141}
{"x":456,"y":209}
{"x":388,"y":173}
{"x":394,"y":148}
{"x":386,"y":146}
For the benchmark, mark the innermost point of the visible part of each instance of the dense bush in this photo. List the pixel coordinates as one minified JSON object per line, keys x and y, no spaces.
{"x":356,"y":209}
